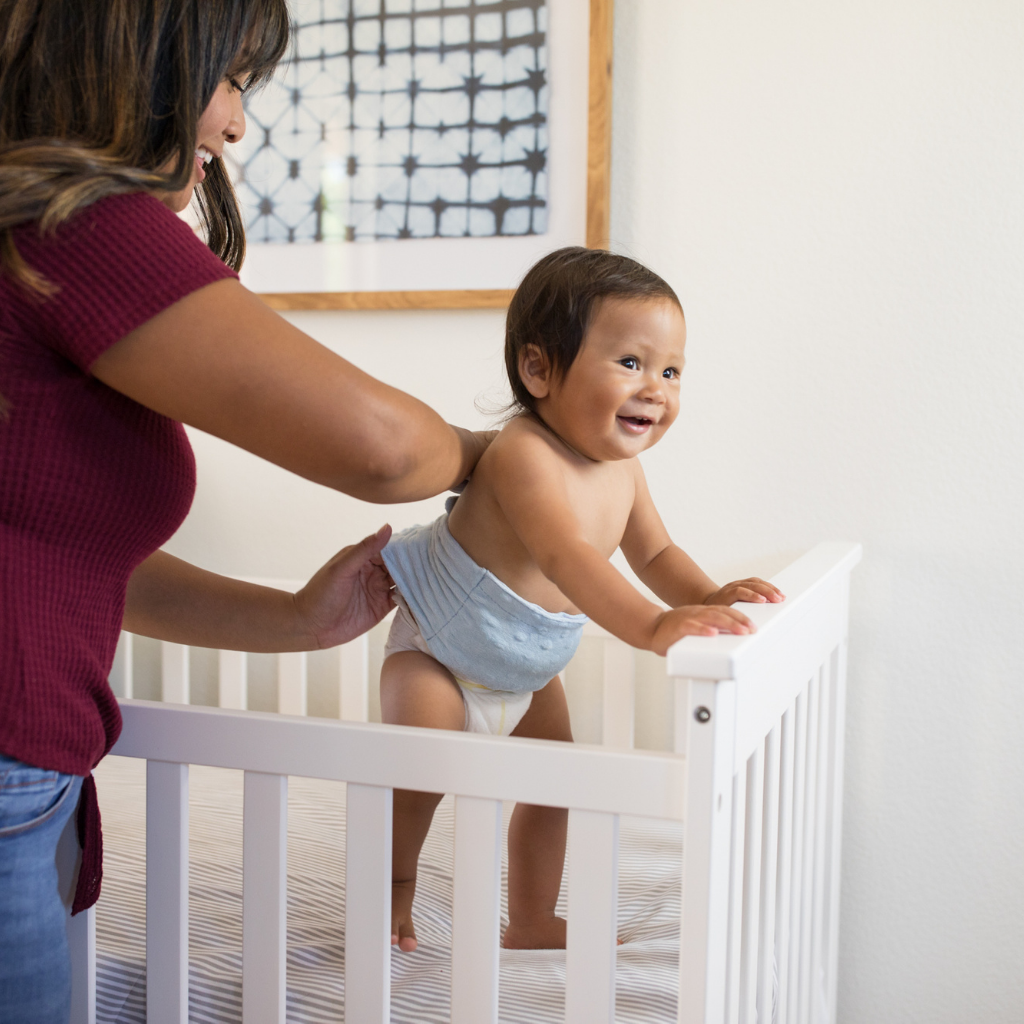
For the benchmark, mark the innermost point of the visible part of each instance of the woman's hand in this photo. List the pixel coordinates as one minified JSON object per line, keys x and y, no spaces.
{"x":348,"y":595}
{"x":752,"y":590}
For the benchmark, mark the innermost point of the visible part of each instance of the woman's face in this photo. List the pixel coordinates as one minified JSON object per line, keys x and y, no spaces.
{"x":223,"y":121}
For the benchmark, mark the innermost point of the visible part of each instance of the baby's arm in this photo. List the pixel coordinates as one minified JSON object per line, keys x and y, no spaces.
{"x":530,"y":484}
{"x":669,"y":571}
{"x":673,"y":575}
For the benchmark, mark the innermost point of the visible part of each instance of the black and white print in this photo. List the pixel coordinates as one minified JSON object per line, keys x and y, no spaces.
{"x":400,"y":119}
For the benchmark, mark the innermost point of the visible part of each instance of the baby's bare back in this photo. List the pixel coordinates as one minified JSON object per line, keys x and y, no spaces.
{"x":572,"y":494}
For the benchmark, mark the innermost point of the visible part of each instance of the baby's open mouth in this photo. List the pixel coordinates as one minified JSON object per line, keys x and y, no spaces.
{"x":636,"y":424}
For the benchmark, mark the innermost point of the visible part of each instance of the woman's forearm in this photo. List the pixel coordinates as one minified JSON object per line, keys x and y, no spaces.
{"x":222,"y":361}
{"x":170,"y":599}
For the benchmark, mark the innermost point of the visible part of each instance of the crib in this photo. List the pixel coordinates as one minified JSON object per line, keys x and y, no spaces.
{"x":755,"y":782}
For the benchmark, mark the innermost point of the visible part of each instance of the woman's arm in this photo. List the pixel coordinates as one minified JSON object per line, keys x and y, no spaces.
{"x":173,"y":600}
{"x":222,"y":361}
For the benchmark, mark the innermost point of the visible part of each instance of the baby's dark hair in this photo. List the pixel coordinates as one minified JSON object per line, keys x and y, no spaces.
{"x":553,"y":306}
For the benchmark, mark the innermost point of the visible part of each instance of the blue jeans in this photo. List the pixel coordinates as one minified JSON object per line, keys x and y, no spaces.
{"x":35,"y":968}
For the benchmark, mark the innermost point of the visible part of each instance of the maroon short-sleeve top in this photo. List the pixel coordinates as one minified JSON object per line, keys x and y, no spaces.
{"x":91,"y":482}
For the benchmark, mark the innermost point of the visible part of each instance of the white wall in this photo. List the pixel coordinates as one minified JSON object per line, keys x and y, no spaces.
{"x":835,"y":191}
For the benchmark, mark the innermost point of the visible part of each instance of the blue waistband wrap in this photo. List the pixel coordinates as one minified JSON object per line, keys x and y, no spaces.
{"x":476,"y":626}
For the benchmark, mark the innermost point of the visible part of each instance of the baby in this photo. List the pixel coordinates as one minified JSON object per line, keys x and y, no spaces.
{"x":493,"y":596}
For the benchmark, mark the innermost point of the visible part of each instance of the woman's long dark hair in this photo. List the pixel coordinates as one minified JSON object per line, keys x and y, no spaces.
{"x":100,"y":97}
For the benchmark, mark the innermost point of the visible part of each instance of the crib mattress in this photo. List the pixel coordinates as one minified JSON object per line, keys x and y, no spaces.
{"x":531,"y":983}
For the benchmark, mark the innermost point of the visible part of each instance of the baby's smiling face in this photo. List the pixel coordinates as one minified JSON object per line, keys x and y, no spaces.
{"x":621,"y":393}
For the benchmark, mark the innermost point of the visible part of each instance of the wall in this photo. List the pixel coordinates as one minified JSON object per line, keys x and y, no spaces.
{"x":834,"y":189}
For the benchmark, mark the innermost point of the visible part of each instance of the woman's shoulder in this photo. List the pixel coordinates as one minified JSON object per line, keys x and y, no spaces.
{"x":110,"y":267}
{"x":118,"y":223}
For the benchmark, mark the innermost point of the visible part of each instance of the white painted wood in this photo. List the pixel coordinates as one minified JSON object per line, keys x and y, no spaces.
{"x":292,"y":683}
{"x":476,"y":907}
{"x":681,"y":715}
{"x":732,"y":982}
{"x":432,"y":760}
{"x":706,"y":848}
{"x":166,"y":893}
{"x":354,"y":681}
{"x":233,"y":680}
{"x":797,"y":858}
{"x":264,"y":898}
{"x":619,"y":687}
{"x":838,"y":722}
{"x":784,"y":874}
{"x":593,"y":916}
{"x":818,"y":998}
{"x":81,"y":931}
{"x":767,"y":672}
{"x":803,"y":582}
{"x":810,"y":827}
{"x":769,"y":876}
{"x":122,"y":672}
{"x":752,"y":868}
{"x":174,"y":673}
{"x":368,"y":905}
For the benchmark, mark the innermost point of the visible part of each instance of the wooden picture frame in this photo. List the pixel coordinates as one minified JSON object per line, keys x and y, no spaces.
{"x":597,"y":185}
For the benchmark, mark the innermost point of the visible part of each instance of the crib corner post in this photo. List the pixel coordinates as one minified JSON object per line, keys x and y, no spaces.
{"x":710,"y":748}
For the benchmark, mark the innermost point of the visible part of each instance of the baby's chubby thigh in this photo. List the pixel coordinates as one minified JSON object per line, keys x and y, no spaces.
{"x":415,"y":688}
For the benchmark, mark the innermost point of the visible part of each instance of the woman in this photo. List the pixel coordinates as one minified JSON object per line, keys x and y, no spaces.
{"x":117,"y":325}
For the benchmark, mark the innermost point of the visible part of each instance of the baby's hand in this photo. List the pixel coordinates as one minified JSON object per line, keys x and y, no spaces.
{"x":696,"y":620}
{"x":753,"y":591}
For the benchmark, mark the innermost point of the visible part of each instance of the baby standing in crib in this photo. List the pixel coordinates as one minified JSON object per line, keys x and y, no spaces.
{"x":493,"y":596}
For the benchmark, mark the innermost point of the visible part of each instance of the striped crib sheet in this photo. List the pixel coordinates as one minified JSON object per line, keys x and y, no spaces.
{"x":532,"y":982}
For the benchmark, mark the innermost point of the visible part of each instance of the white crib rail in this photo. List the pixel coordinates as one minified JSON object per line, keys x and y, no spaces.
{"x":759,"y":792}
{"x":761,"y":720}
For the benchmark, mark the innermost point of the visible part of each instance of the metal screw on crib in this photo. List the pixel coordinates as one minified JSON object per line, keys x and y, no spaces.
{"x":702,"y":714}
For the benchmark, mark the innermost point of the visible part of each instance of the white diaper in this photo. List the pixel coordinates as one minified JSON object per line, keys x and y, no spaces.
{"x":492,"y":712}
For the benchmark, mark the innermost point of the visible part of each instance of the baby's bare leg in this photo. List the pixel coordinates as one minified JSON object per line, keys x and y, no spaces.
{"x":536,"y":840}
{"x":414,"y":690}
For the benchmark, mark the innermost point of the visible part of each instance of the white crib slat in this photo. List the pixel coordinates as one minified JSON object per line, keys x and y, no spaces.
{"x":752,"y":887}
{"x":593,"y":917}
{"x":681,"y":716}
{"x":784,"y":875}
{"x":704,"y":911}
{"x":175,"y":673}
{"x":769,"y":877}
{"x":796,"y":878}
{"x":81,"y":931}
{"x":292,"y":673}
{"x":233,"y":680}
{"x":619,"y":691}
{"x":264,"y":897}
{"x":368,"y":905}
{"x":732,"y":985}
{"x":838,"y":721}
{"x":476,"y":911}
{"x":354,"y":682}
{"x":122,"y":672}
{"x":818,"y":979}
{"x":166,"y":893}
{"x":810,"y":827}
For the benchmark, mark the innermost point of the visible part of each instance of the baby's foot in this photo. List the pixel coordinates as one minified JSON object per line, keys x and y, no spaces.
{"x":403,"y":935}
{"x":538,"y":933}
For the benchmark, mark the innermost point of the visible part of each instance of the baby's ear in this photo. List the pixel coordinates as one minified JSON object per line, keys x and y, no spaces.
{"x":535,"y":370}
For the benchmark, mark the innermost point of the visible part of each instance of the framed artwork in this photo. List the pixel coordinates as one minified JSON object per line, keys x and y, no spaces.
{"x":414,"y":154}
